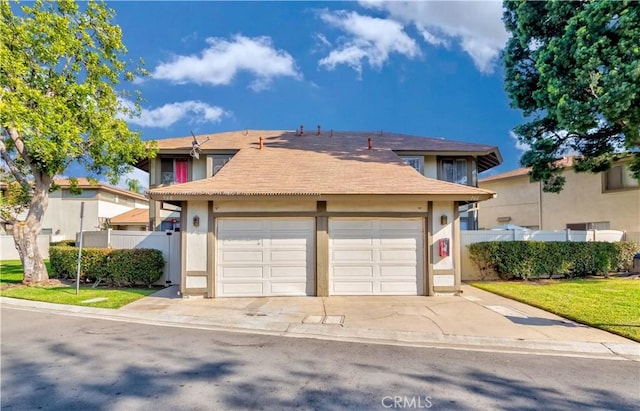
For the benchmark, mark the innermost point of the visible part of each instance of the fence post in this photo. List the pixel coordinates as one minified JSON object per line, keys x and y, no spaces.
{"x":568,"y":231}
{"x":108,"y":237}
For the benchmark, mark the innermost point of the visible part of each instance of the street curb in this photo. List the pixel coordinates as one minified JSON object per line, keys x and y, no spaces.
{"x":260,"y":325}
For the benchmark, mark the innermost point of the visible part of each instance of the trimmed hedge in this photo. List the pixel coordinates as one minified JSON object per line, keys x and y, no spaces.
{"x":67,"y":243}
{"x":538,"y":259}
{"x":114,"y":267}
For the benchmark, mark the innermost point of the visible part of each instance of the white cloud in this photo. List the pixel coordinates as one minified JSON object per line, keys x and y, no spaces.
{"x":369,"y":38}
{"x":475,"y":25}
{"x":519,"y":144}
{"x":223,"y":59}
{"x":171,"y":113}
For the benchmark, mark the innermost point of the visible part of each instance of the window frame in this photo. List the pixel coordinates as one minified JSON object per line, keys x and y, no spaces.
{"x":625,"y":177}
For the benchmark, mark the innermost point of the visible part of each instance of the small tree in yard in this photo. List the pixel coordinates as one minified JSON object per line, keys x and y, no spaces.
{"x":59,"y":67}
{"x":573,"y":68}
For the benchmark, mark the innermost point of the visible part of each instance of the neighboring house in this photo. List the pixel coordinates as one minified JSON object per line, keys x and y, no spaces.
{"x":275,"y":213}
{"x":101,"y":202}
{"x":609,"y":200}
{"x":138,"y":220}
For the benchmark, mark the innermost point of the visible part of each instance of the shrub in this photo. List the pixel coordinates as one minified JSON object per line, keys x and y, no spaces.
{"x":115,"y":267}
{"x":536,"y":259}
{"x":67,"y":243}
{"x":64,"y":262}
{"x":135,"y":266}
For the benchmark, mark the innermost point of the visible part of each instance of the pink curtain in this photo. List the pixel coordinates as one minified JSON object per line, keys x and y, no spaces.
{"x":181,"y":171}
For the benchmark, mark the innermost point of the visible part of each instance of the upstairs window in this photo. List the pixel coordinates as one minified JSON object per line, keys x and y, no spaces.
{"x":619,"y":178}
{"x":219,"y":160}
{"x":454,"y":171}
{"x":174,"y":170}
{"x":416,"y":162}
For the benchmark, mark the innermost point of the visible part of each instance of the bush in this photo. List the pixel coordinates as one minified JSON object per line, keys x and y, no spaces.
{"x":536,"y":259}
{"x":63,"y":243}
{"x":64,"y":262}
{"x":135,"y":266}
{"x":114,"y":267}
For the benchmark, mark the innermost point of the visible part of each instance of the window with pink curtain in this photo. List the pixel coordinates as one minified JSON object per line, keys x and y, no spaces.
{"x":181,"y":171}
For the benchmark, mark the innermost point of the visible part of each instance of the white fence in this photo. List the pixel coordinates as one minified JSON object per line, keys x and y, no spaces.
{"x":169,"y":244}
{"x":8,"y":247}
{"x":471,"y":272}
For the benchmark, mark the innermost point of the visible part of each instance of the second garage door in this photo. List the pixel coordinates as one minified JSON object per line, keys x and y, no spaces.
{"x":376,"y":256}
{"x":265,"y":257}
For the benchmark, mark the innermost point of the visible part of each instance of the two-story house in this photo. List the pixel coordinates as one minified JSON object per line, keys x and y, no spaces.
{"x":275,"y":213}
{"x":101,"y":203}
{"x":609,"y":200}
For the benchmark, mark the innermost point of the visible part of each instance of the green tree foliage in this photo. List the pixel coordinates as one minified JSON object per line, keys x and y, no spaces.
{"x":573,"y":68}
{"x":60,"y":65}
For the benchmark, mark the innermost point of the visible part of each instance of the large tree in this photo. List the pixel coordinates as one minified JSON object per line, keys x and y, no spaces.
{"x":573,"y":68}
{"x":60,"y":66}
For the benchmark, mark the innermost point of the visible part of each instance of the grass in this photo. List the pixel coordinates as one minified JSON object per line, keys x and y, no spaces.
{"x":611,"y":304}
{"x":11,"y":275}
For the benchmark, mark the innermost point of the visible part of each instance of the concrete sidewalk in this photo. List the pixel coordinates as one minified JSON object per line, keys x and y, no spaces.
{"x":478,"y":321}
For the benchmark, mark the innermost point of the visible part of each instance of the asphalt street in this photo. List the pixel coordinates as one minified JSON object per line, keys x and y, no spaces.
{"x":59,"y":362}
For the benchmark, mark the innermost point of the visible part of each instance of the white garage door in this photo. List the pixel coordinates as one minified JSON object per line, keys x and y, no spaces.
{"x":376,"y":256}
{"x":265,"y":257}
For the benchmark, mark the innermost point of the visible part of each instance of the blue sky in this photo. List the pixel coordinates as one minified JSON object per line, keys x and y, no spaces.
{"x":422,"y":68}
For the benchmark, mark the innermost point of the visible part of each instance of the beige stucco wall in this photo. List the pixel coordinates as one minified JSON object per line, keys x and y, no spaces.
{"x":516,"y":198}
{"x":581,"y":201}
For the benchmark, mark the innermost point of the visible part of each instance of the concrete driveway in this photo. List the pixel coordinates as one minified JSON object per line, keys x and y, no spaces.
{"x":477,"y":320}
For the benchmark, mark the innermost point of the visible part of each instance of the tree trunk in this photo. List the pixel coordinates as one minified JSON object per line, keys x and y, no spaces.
{"x":25,"y":233}
{"x":26,"y":240}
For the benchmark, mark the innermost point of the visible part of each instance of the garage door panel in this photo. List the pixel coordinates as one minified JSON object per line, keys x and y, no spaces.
{"x":399,"y":255}
{"x":408,"y":273}
{"x":290,"y":225}
{"x":230,"y":226}
{"x":276,"y":254}
{"x":288,"y":255}
{"x":351,"y":225}
{"x":242,"y":256}
{"x":288,"y":288}
{"x":346,"y":240}
{"x":376,"y":256}
{"x":399,"y":242}
{"x":352,"y":288}
{"x":352,"y":255}
{"x":398,"y":288}
{"x":288,"y":272}
{"x":242,"y":289}
{"x":352,"y":272}
{"x":244,"y":272}
{"x":408,"y":225}
{"x":294,"y":240}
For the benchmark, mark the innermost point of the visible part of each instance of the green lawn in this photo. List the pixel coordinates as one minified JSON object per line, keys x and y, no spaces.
{"x":611,"y":304}
{"x":11,"y":274}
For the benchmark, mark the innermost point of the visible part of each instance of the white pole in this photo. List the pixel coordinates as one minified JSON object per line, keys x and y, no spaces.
{"x":79,"y":249}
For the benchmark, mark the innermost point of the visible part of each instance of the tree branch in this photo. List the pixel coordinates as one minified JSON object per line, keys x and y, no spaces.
{"x":13,"y":167}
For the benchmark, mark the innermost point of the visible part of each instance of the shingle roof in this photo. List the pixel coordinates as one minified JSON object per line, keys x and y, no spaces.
{"x":488,"y":155}
{"x":136,"y":216}
{"x":315,"y":165}
{"x":564,"y":162}
{"x":85,"y":183}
